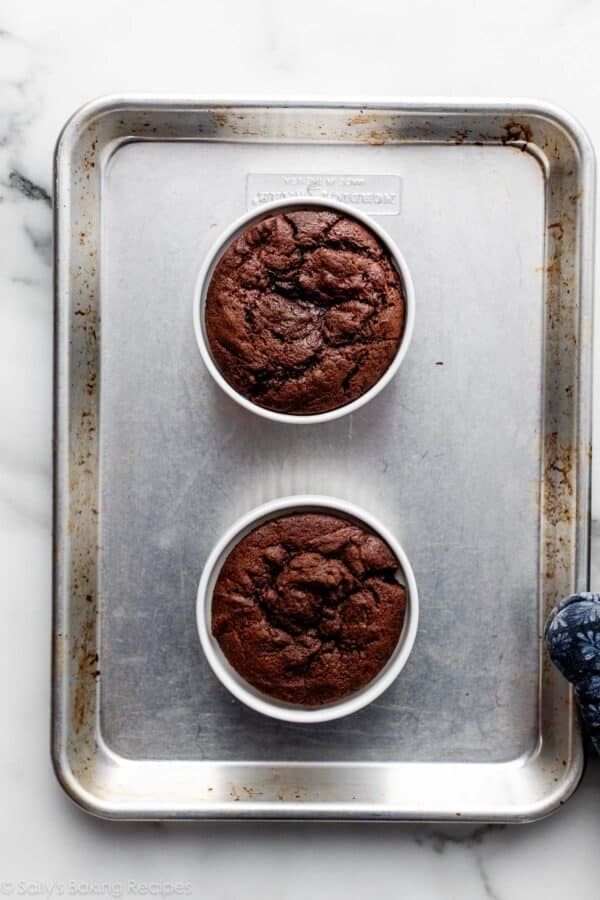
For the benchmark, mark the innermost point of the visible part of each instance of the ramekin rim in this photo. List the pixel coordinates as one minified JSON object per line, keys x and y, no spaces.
{"x":203,"y":279}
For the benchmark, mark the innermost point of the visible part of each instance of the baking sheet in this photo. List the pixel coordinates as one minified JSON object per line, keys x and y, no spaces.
{"x":476,"y":456}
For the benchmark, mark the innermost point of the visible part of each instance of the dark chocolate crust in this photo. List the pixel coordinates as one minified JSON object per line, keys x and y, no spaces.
{"x":304,"y":312}
{"x":307,"y":609}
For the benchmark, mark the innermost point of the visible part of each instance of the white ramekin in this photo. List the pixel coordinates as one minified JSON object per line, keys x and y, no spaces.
{"x":225,"y":672}
{"x":213,"y":257}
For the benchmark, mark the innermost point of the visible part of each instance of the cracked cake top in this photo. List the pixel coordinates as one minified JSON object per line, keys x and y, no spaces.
{"x":307,"y":608}
{"x":304,"y":311}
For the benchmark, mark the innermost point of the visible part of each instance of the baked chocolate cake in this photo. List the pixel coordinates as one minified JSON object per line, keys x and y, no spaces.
{"x":307,"y":609}
{"x":304,"y":312}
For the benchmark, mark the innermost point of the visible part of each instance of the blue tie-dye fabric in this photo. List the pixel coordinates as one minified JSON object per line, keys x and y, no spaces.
{"x":572,"y":636}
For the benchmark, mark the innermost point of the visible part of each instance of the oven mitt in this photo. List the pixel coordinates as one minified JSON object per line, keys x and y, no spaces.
{"x":572,"y":635}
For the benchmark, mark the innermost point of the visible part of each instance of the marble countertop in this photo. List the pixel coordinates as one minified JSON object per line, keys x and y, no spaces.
{"x":53,"y":57}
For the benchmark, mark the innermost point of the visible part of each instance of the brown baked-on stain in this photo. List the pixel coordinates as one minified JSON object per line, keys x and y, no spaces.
{"x":252,"y":792}
{"x":558,"y":226}
{"x":377,"y":138}
{"x":559,"y":460}
{"x":220,"y":118}
{"x":307,"y":607}
{"x":461,"y":135}
{"x":305,"y":311}
{"x":86,"y":673}
{"x":363,"y":118}
{"x":517,"y":131}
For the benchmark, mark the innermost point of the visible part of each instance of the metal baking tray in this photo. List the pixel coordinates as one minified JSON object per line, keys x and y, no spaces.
{"x":476,"y":456}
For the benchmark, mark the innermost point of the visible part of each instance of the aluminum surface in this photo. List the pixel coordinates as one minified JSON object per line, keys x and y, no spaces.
{"x":476,"y":457}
